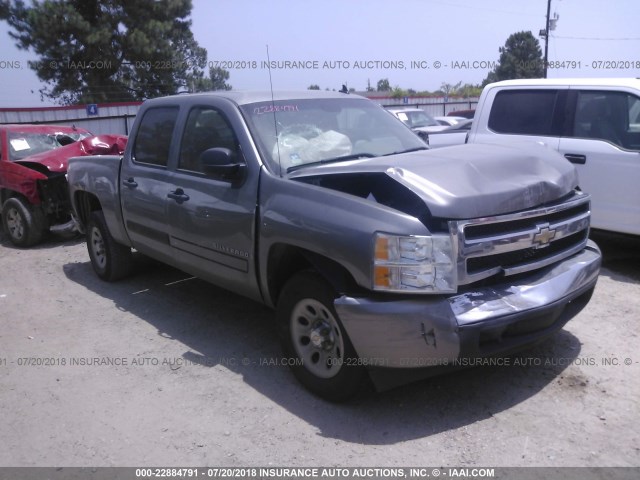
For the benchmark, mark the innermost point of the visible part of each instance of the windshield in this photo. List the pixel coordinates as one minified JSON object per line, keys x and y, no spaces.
{"x":417,"y":119}
{"x":294,"y":133}
{"x":25,"y":144}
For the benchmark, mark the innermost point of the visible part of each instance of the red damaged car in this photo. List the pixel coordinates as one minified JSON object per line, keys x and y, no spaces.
{"x":34,"y":194}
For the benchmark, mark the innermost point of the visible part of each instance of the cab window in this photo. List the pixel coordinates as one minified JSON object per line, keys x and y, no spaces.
{"x":524,"y":112}
{"x":153,"y":139}
{"x":610,"y":116}
{"x":206,"y":128}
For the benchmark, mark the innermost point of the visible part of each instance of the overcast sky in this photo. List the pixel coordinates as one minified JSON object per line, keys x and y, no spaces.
{"x":416,"y":44}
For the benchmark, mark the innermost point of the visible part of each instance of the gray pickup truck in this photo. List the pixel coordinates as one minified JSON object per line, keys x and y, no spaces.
{"x":383,"y":260}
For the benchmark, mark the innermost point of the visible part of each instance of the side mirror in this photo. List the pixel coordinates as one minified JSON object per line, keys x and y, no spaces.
{"x":221,"y":164}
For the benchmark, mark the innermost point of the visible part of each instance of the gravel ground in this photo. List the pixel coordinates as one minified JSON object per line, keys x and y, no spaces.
{"x":164,"y":370}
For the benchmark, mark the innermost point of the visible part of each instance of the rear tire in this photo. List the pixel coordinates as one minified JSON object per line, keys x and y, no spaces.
{"x":25,"y":224}
{"x":321,"y":355}
{"x":110,"y":260}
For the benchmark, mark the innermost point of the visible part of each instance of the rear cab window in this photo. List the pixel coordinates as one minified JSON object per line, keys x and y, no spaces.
{"x":153,"y":139}
{"x":525,"y":112}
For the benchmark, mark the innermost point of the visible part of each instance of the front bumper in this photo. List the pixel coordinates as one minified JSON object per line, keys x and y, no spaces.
{"x":418,"y":332}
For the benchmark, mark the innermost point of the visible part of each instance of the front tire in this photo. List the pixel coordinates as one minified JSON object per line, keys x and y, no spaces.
{"x":25,"y":224}
{"x":311,"y":334}
{"x":110,"y":260}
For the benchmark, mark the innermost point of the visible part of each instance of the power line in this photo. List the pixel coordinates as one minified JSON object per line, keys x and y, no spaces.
{"x":481,"y":8}
{"x":612,"y":39}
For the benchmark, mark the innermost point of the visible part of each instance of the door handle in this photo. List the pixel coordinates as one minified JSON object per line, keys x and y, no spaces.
{"x":130,"y":182}
{"x":575,"y":158}
{"x":178,"y":195}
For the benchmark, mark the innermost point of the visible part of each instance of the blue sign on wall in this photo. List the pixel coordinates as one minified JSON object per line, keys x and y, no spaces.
{"x":92,"y":109}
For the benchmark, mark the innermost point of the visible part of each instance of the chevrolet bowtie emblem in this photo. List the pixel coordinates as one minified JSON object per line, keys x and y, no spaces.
{"x":543,"y":236}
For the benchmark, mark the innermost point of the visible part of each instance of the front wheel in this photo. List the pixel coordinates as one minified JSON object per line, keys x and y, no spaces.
{"x":110,"y":260}
{"x":25,"y":224}
{"x":323,"y":358}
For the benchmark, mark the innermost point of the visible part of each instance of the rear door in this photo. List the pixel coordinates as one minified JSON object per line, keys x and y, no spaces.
{"x":521,"y":113}
{"x":145,"y":182}
{"x":603,"y":142}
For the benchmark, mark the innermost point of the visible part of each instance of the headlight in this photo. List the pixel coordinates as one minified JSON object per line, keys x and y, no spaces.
{"x":414,"y":264}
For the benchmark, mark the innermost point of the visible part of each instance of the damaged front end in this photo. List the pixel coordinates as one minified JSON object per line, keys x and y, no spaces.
{"x":55,"y":202}
{"x":506,"y":261}
{"x":39,"y":183}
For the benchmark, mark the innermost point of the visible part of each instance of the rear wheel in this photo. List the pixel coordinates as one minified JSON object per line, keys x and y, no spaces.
{"x":110,"y":260}
{"x":323,"y":358}
{"x":25,"y":224}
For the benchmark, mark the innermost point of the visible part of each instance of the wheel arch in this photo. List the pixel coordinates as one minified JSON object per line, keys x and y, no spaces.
{"x":85,"y":203}
{"x":284,"y":261}
{"x":6,"y":194}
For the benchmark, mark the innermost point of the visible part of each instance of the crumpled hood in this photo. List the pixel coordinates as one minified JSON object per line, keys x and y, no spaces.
{"x":57,"y":160}
{"x":473,"y":180}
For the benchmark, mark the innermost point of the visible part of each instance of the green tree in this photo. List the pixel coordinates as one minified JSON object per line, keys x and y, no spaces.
{"x":219,"y":77}
{"x":108,"y":50}
{"x":313,"y":87}
{"x":447,"y":89}
{"x":384,"y":85}
{"x":217,"y":80}
{"x":398,"y":92}
{"x":521,"y":57}
{"x":468,"y":90}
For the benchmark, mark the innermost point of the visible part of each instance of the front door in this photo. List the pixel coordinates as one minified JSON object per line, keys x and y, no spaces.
{"x":212,"y":222}
{"x":605,"y":147}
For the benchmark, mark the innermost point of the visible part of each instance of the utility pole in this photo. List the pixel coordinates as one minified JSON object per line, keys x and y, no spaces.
{"x":546,"y":39}
{"x":550,"y":25}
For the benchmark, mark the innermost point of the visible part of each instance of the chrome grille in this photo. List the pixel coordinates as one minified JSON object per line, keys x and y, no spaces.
{"x":520,"y":242}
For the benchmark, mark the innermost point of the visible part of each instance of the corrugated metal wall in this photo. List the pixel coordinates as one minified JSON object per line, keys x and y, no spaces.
{"x":110,"y":118}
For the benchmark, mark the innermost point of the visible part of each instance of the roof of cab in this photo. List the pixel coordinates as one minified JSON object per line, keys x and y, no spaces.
{"x":246,"y":97}
{"x":570,"y":82}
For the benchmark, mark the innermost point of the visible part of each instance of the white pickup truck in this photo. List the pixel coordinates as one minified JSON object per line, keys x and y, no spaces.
{"x":594,"y":123}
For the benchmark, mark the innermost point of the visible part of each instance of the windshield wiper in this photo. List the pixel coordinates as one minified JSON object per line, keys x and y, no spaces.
{"x":415,"y":149}
{"x":330,"y":160}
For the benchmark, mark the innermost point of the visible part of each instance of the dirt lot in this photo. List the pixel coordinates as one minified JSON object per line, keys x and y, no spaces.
{"x":194,"y":378}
